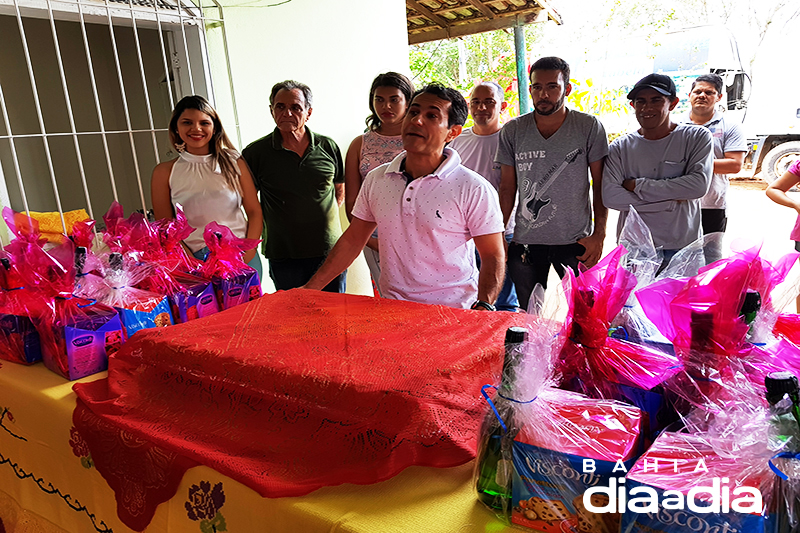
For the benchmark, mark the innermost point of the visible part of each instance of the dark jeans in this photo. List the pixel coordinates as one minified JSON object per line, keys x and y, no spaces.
{"x":529,"y":265}
{"x":667,"y":257}
{"x":507,"y":299}
{"x":714,"y":220}
{"x":292,"y":273}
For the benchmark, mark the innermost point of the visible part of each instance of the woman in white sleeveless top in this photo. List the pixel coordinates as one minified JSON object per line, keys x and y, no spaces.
{"x":209,"y":179}
{"x":389,"y":98}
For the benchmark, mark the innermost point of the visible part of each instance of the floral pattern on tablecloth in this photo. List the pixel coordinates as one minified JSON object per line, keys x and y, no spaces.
{"x":204,"y":504}
{"x":7,"y":418}
{"x":80,"y":448}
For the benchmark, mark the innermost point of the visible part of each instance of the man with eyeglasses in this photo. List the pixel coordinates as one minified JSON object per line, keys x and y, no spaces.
{"x":477,"y":147}
{"x":662,"y":169}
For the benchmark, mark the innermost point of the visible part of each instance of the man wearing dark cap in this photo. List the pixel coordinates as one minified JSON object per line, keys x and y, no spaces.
{"x":662,"y":169}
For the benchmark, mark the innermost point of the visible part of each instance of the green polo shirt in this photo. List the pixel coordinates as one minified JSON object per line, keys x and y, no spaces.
{"x":301,"y":216}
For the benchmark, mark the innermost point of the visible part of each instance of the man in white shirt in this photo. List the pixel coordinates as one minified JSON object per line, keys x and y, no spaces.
{"x":477,"y":147}
{"x":431,"y":213}
{"x":730,"y":147}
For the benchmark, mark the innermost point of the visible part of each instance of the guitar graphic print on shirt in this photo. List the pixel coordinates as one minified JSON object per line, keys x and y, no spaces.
{"x":534,"y":201}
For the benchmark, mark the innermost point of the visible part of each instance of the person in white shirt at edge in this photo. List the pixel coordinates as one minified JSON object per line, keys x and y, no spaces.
{"x":431,"y":213}
{"x":477,"y":147}
{"x":662,"y":169}
{"x":730,"y":147}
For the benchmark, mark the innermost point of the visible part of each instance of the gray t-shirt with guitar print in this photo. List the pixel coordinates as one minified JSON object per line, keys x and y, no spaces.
{"x":553,"y":181}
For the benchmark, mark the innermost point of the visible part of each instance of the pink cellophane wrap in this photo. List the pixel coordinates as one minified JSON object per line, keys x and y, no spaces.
{"x":171,"y":231}
{"x":377,"y":384}
{"x":590,"y":359}
{"x":700,"y":315}
{"x":571,"y":423}
{"x":116,"y":234}
{"x":225,"y":252}
{"x":19,"y":341}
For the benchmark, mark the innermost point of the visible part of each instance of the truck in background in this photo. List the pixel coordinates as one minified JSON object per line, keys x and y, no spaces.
{"x":771,"y":121}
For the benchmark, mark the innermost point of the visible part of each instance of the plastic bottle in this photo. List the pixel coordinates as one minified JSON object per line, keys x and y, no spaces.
{"x":781,"y":385}
{"x":783,"y":395}
{"x":494,"y":466}
{"x":750,"y":307}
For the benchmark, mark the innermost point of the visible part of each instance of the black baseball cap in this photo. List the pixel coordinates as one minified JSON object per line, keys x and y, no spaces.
{"x":661,"y":83}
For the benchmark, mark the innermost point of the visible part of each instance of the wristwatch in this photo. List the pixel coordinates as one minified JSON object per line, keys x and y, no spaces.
{"x":484,"y":305}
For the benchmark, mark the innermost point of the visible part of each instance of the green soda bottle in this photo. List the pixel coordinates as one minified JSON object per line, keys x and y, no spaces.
{"x":780,"y":385}
{"x":494,"y":466}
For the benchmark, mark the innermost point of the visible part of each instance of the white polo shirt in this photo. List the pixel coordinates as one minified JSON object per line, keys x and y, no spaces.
{"x":425,"y":229}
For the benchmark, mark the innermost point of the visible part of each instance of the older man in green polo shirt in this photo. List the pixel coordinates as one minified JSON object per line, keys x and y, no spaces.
{"x":300,"y":176}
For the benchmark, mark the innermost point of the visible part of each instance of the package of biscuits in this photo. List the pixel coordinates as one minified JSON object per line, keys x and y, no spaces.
{"x":78,"y":335}
{"x":567,"y":444}
{"x":195,"y":299}
{"x":234,"y":281}
{"x":687,"y":482}
{"x":138,"y":309}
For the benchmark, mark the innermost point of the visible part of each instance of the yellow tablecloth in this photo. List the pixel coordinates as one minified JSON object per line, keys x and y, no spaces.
{"x":45,"y":487}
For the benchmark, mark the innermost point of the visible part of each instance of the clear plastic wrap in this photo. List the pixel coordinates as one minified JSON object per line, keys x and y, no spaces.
{"x":551,"y":444}
{"x":234,"y":281}
{"x":138,"y":309}
{"x":117,"y":230}
{"x":83,"y":236}
{"x":643,"y":261}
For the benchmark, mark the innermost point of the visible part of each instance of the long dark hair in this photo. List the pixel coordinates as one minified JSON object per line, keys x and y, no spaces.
{"x":388,"y":79}
{"x":220,"y":146}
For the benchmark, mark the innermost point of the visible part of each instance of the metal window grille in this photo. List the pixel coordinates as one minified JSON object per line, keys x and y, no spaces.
{"x":86,"y":92}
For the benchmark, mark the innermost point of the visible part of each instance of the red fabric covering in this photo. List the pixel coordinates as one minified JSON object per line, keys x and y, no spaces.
{"x":294,"y":391}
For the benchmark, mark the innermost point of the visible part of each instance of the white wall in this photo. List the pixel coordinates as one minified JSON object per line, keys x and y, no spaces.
{"x":336,"y":47}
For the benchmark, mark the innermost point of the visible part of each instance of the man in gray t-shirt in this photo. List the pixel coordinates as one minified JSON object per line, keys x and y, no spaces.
{"x":730,"y":147}
{"x":661,"y":170}
{"x":546,"y":159}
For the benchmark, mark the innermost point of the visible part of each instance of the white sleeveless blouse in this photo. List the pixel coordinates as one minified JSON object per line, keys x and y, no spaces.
{"x":197,"y":183}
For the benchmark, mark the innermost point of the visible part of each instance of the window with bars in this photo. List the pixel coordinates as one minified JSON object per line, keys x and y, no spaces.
{"x":86,"y":93}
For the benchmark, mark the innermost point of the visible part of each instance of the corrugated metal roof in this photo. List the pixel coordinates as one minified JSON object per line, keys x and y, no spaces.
{"x":431,"y":20}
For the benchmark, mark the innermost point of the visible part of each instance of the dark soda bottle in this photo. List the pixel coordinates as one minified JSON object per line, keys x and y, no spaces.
{"x":494,"y":466}
{"x":783,"y":396}
{"x":781,"y":385}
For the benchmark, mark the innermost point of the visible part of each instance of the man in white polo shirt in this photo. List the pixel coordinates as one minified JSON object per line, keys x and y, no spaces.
{"x":431,"y":213}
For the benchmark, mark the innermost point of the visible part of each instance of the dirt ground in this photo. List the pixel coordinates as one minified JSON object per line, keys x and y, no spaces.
{"x":749,"y":184}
